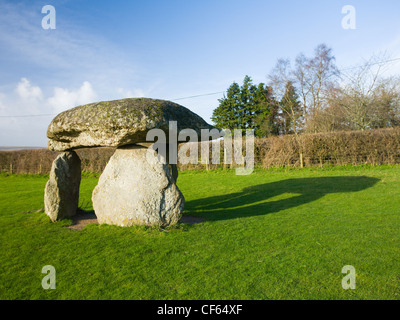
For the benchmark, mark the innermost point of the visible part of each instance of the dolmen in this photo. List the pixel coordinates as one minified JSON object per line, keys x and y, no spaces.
{"x":134,"y":189}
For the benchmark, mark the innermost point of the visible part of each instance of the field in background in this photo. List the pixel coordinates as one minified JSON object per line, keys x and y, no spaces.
{"x":274,"y":234}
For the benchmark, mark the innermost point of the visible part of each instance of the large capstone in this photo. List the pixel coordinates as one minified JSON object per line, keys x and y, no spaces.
{"x":119,"y":122}
{"x":61,"y":194}
{"x":137,"y":188}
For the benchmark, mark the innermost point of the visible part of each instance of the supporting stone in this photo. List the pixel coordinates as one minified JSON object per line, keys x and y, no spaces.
{"x":61,"y":194}
{"x":136,"y":190}
{"x":174,"y":171}
{"x":173,"y":168}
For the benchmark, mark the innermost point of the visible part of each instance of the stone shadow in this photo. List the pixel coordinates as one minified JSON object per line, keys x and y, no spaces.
{"x":252,"y":201}
{"x":82,"y":218}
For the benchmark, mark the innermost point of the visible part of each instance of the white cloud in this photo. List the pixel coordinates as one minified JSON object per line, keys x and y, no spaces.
{"x":28,"y":92}
{"x":64,"y":99}
{"x":24,"y":99}
{"x":27,"y":101}
{"x":136,"y":93}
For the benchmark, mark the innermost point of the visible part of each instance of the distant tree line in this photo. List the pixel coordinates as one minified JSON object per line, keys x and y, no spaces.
{"x":311,"y":95}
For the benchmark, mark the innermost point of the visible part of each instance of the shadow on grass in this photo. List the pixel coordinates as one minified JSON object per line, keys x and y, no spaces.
{"x":253,"y":201}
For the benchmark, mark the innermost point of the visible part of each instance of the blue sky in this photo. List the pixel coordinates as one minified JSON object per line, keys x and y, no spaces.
{"x":103,"y":50}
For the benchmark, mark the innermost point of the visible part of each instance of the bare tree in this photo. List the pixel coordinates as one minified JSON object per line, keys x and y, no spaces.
{"x":367,"y":99}
{"x":386,"y":108}
{"x":315,"y":77}
{"x":281,"y":81}
{"x":302,"y":76}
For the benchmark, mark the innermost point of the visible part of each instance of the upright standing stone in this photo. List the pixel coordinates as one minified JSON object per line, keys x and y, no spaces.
{"x":174,"y":171}
{"x":61,"y":194}
{"x":135,"y":191}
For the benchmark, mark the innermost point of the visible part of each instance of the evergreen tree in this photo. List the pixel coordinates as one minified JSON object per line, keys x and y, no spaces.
{"x":226,"y":115}
{"x":266,"y":120}
{"x":247,"y":107}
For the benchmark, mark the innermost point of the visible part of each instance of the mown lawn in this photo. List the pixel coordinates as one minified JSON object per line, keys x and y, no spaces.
{"x":274,"y":234}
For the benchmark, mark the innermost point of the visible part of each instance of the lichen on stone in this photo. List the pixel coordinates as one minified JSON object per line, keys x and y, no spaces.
{"x":124,"y":121}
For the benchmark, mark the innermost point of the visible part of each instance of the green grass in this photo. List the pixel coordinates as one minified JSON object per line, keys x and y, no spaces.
{"x":274,"y":234}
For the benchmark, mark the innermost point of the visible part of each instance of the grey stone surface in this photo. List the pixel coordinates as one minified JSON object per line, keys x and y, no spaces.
{"x":173,"y":169}
{"x":61,"y":194}
{"x":135,"y":191}
{"x":117,"y":123}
